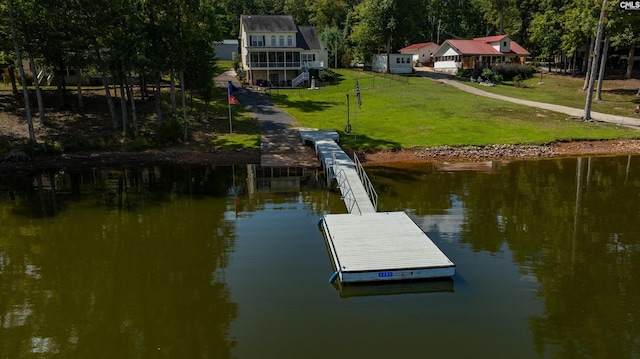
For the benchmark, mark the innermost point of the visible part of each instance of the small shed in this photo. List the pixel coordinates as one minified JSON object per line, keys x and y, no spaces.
{"x":398,"y":63}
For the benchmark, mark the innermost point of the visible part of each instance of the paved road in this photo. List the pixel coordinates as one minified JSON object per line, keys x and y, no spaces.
{"x":281,"y":145}
{"x":573,"y":112}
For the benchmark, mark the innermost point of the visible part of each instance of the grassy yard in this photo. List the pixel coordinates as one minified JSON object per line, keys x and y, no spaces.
{"x":409,"y":112}
{"x":618,"y":96}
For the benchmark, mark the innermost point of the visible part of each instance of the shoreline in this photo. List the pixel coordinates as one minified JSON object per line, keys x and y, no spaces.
{"x":195,"y":156}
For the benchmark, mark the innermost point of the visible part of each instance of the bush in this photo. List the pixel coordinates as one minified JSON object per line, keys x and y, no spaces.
{"x":487,"y":73}
{"x":509,"y":71}
{"x":170,"y":132}
{"x":327,"y":75}
{"x":496,"y":78}
{"x":517,"y":78}
{"x":465,"y":73}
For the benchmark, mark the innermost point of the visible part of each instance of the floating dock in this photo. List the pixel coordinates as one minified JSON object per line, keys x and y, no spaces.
{"x":366,"y":245}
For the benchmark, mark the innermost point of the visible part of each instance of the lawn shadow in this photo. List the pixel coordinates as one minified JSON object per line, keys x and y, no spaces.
{"x":623,"y":92}
{"x":303,"y":105}
{"x":357,"y":142}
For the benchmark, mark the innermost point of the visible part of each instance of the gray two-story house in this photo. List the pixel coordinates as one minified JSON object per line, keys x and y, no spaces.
{"x":277,"y":52}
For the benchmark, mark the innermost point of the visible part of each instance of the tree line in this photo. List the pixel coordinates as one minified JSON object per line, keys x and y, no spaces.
{"x":355,"y":29}
{"x":147,"y":39}
{"x":120,"y":41}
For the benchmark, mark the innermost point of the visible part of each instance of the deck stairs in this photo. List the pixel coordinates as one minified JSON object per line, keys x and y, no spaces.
{"x":304,"y":76}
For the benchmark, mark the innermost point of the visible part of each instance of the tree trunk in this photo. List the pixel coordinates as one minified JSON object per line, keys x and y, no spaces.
{"x":389,"y":54}
{"x":184,"y":104}
{"x":32,"y":64}
{"x":112,"y":108}
{"x":632,"y":54}
{"x":573,"y":68}
{"x":594,"y":65}
{"x":172,"y":95}
{"x":603,"y":63}
{"x":134,"y":116}
{"x":143,"y":88}
{"x":12,"y":77}
{"x":79,"y":87}
{"x":585,"y":60}
{"x":23,"y":79}
{"x":60,"y":85}
{"x":158,"y":99}
{"x":589,"y":64}
{"x":123,"y":107}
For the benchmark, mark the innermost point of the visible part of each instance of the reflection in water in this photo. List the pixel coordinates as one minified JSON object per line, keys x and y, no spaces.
{"x":129,"y":267}
{"x":572,"y":224}
{"x":183,"y":262}
{"x":388,"y":288}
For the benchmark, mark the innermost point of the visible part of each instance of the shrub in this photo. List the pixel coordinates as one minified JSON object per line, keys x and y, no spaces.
{"x":509,"y":71}
{"x":169,"y":132}
{"x":517,"y":78}
{"x":487,"y":73}
{"x":326,"y":75}
{"x":464,"y":73}
{"x":496,"y":78}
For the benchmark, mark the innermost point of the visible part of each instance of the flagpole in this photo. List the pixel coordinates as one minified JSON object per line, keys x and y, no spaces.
{"x":229,"y":104}
{"x":355,"y":125}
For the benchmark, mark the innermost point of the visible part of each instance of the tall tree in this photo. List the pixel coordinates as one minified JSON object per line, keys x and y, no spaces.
{"x":599,"y":35}
{"x":23,"y":79}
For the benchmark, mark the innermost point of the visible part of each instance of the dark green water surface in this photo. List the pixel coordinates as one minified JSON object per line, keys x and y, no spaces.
{"x":228,"y":262}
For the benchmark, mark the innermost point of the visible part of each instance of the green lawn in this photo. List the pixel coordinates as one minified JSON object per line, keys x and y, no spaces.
{"x":566,"y":91}
{"x":409,"y":112}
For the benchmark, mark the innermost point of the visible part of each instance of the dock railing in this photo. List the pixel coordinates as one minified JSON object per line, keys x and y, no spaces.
{"x":366,"y":182}
{"x":348,"y":196}
{"x":347,"y":193}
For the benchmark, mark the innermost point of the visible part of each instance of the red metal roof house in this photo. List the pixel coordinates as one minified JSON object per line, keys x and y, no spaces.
{"x":421,"y":52}
{"x":466,"y":54}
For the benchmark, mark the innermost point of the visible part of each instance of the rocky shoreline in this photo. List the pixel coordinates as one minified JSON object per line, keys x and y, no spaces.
{"x":499,"y":152}
{"x":195,"y":156}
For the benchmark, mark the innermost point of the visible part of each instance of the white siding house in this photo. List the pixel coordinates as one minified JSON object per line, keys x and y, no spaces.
{"x":277,"y":52}
{"x":422,"y":52}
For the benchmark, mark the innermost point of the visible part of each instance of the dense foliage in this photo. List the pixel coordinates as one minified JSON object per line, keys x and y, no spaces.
{"x":124,"y":41}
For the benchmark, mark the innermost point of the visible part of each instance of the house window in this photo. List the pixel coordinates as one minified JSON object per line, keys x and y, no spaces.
{"x":257,"y":40}
{"x":290,"y":41}
{"x":273,"y":40}
{"x":281,"y":40}
{"x":397,"y":60}
{"x":504,"y":43}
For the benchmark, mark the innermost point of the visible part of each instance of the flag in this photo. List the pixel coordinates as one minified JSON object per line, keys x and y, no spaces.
{"x":358,"y":94}
{"x":232,"y":99}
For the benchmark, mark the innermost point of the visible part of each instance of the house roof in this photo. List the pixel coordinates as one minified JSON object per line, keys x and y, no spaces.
{"x":482,"y":46}
{"x":268,"y":23}
{"x":417,"y":46}
{"x":307,"y":38}
{"x":495,"y":38}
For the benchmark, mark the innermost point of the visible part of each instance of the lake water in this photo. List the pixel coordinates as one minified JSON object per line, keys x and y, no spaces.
{"x":228,"y":262}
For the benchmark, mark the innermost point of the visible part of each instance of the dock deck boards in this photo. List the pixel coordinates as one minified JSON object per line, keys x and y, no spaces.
{"x":383,"y":246}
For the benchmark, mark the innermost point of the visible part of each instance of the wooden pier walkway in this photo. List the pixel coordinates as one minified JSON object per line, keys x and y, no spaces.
{"x":366,"y":245}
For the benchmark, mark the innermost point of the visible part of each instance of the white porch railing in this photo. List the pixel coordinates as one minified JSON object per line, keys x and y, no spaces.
{"x":313,"y":64}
